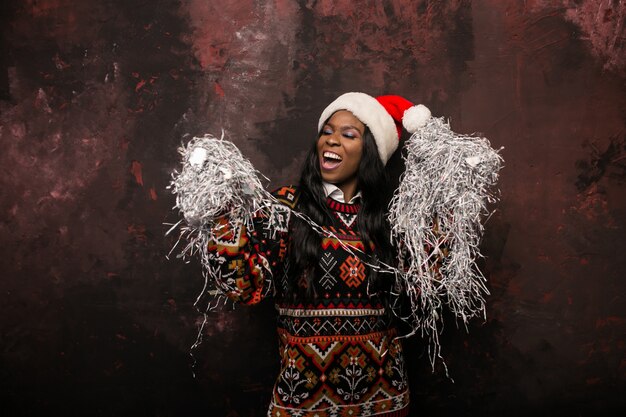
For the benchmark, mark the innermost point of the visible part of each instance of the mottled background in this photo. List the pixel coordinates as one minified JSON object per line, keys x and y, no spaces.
{"x":95,"y":97}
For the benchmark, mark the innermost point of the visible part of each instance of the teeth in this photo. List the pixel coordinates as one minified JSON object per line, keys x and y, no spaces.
{"x":331,"y":155}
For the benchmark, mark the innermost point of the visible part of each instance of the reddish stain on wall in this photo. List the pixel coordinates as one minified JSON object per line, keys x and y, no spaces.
{"x":135,"y":170}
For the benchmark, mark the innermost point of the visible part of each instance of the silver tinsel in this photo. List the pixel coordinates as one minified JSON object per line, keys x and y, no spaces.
{"x":436,"y":219}
{"x":216,"y":181}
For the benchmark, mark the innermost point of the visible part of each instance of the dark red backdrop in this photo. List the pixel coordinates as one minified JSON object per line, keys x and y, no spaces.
{"x":95,"y":97}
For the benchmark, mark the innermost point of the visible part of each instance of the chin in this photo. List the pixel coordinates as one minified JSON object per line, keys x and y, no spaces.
{"x":330,"y":179}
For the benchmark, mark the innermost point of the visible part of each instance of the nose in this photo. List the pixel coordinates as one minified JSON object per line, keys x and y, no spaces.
{"x":332,"y":140}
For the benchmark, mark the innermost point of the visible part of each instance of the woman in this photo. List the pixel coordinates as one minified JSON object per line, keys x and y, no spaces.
{"x":339,"y":354}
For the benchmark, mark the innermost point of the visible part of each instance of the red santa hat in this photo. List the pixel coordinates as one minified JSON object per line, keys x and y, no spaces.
{"x":383,"y":115}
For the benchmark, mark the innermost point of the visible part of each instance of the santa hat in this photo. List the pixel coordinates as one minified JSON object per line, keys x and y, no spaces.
{"x":383,"y":115}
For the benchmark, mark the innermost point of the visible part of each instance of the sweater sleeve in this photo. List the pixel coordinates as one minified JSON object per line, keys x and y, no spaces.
{"x":247,"y":258}
{"x":439,"y":251}
{"x":435,"y":254}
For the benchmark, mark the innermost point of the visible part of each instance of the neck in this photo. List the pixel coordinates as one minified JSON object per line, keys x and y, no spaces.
{"x":348,"y":189}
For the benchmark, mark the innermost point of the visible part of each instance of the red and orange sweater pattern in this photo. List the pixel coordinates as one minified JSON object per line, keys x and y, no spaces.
{"x":339,"y":355}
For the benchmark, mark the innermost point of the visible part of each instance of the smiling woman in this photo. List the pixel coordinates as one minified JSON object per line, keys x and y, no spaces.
{"x":332,"y":251}
{"x":339,"y":351}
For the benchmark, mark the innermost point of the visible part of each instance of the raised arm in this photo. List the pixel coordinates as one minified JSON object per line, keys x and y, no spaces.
{"x":248,"y":258}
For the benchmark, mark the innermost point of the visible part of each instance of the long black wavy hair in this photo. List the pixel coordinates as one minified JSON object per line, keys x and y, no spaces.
{"x":305,"y":243}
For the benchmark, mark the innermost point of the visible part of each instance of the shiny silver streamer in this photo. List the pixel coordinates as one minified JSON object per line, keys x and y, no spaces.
{"x":216,"y":180}
{"x":439,"y":207}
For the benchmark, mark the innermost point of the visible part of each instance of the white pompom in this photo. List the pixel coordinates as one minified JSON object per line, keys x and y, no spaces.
{"x":197,"y":157}
{"x":216,"y":180}
{"x":415,"y":117}
{"x":473,"y":160}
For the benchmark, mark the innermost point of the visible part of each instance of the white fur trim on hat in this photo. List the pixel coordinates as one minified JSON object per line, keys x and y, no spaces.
{"x":415,"y":117}
{"x":372,"y":114}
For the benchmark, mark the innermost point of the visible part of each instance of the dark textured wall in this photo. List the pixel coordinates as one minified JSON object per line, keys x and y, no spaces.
{"x":95,"y":97}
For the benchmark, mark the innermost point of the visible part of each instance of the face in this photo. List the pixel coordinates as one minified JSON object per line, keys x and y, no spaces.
{"x":339,"y":149}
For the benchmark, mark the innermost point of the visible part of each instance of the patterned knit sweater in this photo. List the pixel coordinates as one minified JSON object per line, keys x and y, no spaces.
{"x":338,"y":353}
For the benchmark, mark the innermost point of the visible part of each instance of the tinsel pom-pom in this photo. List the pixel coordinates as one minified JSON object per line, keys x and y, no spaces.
{"x":436,"y":218}
{"x":215,"y":181}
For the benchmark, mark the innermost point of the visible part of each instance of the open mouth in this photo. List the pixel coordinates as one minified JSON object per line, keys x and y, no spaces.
{"x":330,"y":160}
